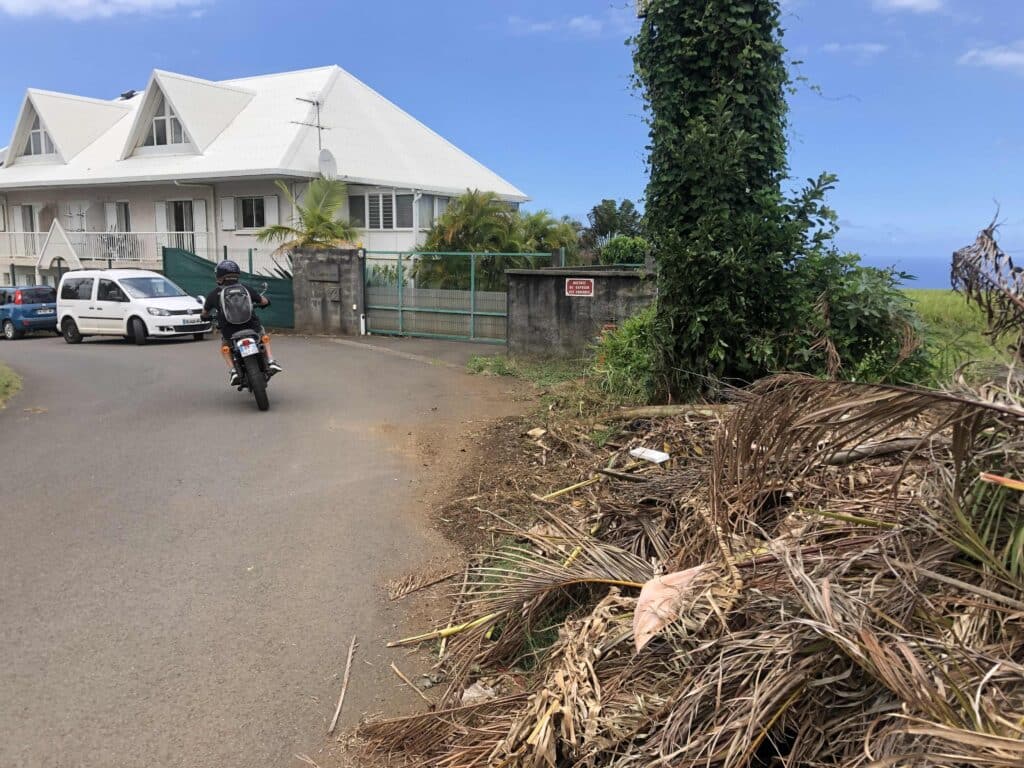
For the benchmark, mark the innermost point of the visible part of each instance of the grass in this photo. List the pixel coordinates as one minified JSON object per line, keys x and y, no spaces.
{"x":956,"y":330}
{"x":542,"y":373}
{"x":10,"y":383}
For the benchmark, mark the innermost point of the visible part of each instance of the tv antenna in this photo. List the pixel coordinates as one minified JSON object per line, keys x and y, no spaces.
{"x":320,"y":128}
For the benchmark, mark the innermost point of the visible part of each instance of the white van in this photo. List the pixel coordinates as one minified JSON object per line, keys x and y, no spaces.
{"x":133,"y":303}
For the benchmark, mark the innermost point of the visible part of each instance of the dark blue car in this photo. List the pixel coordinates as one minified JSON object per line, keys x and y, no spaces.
{"x":27,"y":308}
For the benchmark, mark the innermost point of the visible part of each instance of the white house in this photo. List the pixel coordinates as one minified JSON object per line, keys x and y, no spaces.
{"x":192,"y":163}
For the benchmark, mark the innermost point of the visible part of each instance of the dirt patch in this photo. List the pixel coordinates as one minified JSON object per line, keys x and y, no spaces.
{"x":457,"y":462}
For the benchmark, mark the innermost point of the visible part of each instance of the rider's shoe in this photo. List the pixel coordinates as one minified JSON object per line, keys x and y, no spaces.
{"x":233,"y":378}
{"x":274,"y":367}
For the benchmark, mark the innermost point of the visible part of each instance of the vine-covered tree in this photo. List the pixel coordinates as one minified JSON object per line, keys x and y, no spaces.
{"x":713,"y":78}
{"x":750,"y":280}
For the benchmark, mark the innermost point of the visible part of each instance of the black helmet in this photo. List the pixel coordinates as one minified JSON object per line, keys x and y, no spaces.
{"x":227,"y":267}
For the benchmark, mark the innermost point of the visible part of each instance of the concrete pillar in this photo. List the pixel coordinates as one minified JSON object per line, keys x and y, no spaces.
{"x":328,"y":289}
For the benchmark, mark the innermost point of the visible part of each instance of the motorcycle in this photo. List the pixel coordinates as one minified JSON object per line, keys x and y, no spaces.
{"x":248,"y":352}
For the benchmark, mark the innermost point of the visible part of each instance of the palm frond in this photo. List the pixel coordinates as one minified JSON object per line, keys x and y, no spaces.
{"x":987,"y":277}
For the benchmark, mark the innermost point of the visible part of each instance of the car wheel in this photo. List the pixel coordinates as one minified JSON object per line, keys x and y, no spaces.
{"x":70,"y":332}
{"x":57,"y":332}
{"x":199,"y":336}
{"x":10,"y":332}
{"x":138,"y":332}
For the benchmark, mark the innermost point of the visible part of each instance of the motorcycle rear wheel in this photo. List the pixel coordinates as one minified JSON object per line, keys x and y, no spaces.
{"x":257,"y":382}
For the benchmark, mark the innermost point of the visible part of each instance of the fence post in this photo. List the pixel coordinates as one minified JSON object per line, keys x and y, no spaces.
{"x":561,"y":256}
{"x":472,"y":295}
{"x":250,"y":260}
{"x":401,"y":328}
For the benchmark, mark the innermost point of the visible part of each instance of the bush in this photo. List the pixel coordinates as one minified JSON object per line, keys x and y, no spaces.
{"x":859,"y":323}
{"x":624,"y":249}
{"x":624,"y":364}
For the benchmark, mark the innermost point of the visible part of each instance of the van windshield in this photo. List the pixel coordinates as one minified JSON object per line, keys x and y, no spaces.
{"x":155,"y":287}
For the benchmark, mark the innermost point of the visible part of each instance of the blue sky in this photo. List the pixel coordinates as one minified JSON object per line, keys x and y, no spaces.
{"x":919,"y":112}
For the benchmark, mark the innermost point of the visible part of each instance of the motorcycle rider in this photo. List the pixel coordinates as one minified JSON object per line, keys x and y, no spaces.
{"x":228,"y":273}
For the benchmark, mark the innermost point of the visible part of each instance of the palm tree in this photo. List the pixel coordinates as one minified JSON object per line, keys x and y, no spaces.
{"x":476,"y":221}
{"x":316,"y":224}
{"x":544,"y":233}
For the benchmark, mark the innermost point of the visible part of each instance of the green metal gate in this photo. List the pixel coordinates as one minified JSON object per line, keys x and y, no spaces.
{"x":443,"y":295}
{"x":195,"y":275}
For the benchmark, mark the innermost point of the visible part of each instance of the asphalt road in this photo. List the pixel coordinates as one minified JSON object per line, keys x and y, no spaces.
{"x":180,"y":574}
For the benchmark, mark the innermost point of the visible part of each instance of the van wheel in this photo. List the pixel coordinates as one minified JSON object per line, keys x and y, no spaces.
{"x":10,"y":332}
{"x":70,"y":332}
{"x":138,"y":332}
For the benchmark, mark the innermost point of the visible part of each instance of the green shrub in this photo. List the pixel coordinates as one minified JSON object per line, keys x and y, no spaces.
{"x":858,"y":322}
{"x":624,"y":361}
{"x":624,"y":249}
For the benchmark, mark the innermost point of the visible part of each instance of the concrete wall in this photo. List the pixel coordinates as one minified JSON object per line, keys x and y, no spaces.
{"x":328,"y":287}
{"x":544,"y":322}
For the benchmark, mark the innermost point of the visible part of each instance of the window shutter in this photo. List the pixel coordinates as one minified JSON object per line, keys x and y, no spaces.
{"x":227,"y":213}
{"x":15,"y":218}
{"x":199,"y":215}
{"x":161,"y":217}
{"x":110,"y":214}
{"x":270,"y":216}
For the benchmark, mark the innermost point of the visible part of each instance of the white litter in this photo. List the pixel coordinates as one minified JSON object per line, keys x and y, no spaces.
{"x":649,"y":454}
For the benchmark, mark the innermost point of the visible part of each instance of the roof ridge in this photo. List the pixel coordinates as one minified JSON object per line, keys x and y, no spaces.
{"x":120,"y":104}
{"x":159,"y":73}
{"x":280,"y":74}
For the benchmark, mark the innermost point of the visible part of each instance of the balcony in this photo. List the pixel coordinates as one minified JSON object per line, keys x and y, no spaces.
{"x":97,"y":249}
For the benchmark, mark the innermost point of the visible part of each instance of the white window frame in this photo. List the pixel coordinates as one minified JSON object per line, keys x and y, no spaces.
{"x":119,"y":206}
{"x":168,"y":118}
{"x":46,"y":146}
{"x":435,"y":205}
{"x":381,"y":195}
{"x":240,"y":213}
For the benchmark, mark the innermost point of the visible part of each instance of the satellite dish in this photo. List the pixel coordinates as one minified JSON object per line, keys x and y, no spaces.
{"x":328,"y":165}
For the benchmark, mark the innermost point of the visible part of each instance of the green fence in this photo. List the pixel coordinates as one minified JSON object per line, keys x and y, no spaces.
{"x":196,"y":276}
{"x":442,"y":295}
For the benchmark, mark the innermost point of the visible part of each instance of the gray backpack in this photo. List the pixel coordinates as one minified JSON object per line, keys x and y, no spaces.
{"x":236,"y":304}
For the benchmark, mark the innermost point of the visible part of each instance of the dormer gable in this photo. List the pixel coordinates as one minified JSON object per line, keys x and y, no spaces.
{"x":182,"y":114}
{"x":55,"y":127}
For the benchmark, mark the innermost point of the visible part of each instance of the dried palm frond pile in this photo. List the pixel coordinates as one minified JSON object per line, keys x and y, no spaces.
{"x":825,"y":574}
{"x":987,"y":277}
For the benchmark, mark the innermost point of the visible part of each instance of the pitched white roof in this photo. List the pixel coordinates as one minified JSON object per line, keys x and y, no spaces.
{"x":257,"y":126}
{"x":205,"y":108}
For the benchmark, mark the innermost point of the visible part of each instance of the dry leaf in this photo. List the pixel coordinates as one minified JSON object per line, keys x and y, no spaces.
{"x":661,"y":601}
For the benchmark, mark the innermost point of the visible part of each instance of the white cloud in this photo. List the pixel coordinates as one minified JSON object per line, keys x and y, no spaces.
{"x":90,"y":9}
{"x":915,"y":6}
{"x":523,"y":26}
{"x":862,"y":50}
{"x":585,"y":25}
{"x":614,"y":21}
{"x":1007,"y":58}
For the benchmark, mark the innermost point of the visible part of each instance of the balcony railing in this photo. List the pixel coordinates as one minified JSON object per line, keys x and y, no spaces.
{"x":94,"y":248}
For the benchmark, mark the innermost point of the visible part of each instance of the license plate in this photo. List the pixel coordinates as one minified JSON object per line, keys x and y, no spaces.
{"x":46,"y":311}
{"x":247,"y":347}
{"x":194,"y":321}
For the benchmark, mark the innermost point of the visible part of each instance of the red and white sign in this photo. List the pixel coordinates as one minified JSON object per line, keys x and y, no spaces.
{"x":579,"y":286}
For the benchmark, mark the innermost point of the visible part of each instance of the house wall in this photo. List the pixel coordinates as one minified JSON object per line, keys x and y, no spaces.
{"x":83,"y":209}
